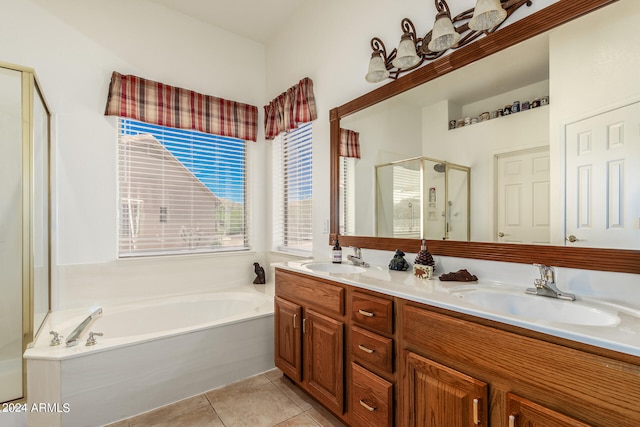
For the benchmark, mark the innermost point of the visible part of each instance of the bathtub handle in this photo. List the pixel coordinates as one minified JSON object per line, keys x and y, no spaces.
{"x":295,"y":321}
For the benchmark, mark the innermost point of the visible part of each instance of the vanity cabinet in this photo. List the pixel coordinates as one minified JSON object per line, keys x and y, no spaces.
{"x":372,"y":348}
{"x":436,"y":395}
{"x":533,"y":379}
{"x":378,"y":360}
{"x":309,"y":336}
{"x":525,"y":413}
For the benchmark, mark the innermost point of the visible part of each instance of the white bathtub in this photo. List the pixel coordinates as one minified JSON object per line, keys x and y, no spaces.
{"x":151,"y":353}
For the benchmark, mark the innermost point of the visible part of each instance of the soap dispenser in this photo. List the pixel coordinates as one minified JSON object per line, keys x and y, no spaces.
{"x":337,"y":253}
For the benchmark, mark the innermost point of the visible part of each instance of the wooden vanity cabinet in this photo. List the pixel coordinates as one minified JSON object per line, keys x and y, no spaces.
{"x":537,"y":379}
{"x":372,"y":354}
{"x":525,"y":413}
{"x":436,"y":395}
{"x":309,"y":336}
{"x":377,"y":360}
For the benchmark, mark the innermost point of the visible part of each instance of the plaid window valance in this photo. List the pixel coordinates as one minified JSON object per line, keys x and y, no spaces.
{"x":161,"y":104}
{"x":296,"y":105}
{"x":349,"y":143}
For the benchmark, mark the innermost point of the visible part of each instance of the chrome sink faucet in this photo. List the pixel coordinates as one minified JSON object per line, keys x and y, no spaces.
{"x":546,"y":286}
{"x":356,"y":258}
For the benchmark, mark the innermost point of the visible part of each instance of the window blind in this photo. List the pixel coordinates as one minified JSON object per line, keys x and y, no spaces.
{"x":180,"y":191}
{"x":292,"y":166}
{"x":347,"y":196}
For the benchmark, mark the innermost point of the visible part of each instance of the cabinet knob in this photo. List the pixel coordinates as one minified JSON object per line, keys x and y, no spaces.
{"x":365,"y":349}
{"x":295,"y":321}
{"x":367,"y":407}
{"x":366,"y":313}
{"x":476,"y":417}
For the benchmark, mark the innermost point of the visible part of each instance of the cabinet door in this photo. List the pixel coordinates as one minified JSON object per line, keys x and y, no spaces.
{"x":323,"y":354}
{"x":438,"y":396}
{"x":288,"y":338}
{"x":525,"y":413}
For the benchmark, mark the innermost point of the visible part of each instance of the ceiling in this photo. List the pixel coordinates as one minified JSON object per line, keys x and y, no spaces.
{"x":257,"y":20}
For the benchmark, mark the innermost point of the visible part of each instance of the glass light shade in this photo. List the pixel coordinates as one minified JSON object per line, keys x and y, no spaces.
{"x":486,"y":15}
{"x":443,"y":35}
{"x":377,"y":70}
{"x":406,"y":56}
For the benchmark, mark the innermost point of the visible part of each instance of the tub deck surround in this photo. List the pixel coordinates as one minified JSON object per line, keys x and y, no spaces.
{"x":152,"y":353}
{"x":622,"y":336}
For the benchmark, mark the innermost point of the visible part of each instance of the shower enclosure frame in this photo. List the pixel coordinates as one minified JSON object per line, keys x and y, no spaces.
{"x":35,"y":210}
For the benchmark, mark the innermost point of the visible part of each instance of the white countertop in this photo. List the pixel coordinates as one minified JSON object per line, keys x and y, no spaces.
{"x":624,"y":336}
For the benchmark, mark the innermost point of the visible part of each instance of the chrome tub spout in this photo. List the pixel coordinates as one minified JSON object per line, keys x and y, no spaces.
{"x":82,"y":328}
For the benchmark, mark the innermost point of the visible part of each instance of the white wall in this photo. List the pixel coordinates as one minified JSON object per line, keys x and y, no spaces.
{"x":74,"y":47}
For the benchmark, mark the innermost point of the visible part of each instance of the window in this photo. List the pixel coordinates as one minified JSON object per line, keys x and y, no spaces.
{"x":180,"y":191}
{"x":347,"y":196}
{"x":292,"y":165}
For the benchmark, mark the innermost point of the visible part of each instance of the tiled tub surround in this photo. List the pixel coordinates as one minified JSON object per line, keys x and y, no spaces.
{"x":615,"y":292}
{"x":152,"y":353}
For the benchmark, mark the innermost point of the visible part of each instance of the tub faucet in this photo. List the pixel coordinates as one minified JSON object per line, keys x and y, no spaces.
{"x":546,"y":286}
{"x":356,"y":258}
{"x":80,"y":330}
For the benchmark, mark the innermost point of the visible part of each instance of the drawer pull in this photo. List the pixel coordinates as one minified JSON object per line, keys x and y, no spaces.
{"x":512,"y":421}
{"x":367,"y":407}
{"x":366,"y":313}
{"x":476,"y":419}
{"x":365,"y":349}
{"x":295,"y":321}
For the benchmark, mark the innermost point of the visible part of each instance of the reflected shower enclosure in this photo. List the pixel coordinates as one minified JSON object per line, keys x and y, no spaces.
{"x":423,"y":198}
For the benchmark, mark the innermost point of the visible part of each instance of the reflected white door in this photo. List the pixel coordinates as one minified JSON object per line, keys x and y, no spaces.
{"x":603,"y":169}
{"x":522,"y":196}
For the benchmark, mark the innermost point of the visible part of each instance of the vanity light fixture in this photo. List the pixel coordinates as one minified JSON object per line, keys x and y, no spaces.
{"x":447,"y":33}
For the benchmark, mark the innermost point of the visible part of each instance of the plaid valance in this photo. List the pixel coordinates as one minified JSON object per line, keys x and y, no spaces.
{"x":160,"y":104}
{"x":296,"y":105}
{"x":349,"y":143}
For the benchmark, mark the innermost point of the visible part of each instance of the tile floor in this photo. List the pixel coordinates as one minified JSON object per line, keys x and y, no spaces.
{"x":264,"y":400}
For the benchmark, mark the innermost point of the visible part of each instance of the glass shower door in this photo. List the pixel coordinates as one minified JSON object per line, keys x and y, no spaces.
{"x":11,"y":237}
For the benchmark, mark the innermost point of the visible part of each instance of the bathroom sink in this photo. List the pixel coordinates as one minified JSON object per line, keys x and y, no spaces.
{"x":539,"y":308}
{"x":329,"y":267}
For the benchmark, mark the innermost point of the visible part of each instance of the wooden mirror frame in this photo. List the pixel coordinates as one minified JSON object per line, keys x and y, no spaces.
{"x":563,"y":11}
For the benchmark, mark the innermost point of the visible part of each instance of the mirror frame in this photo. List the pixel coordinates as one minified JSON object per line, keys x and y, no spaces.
{"x":558,"y":13}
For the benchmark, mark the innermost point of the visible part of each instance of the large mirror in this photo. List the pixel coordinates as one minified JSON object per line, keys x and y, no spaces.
{"x":581,"y":76}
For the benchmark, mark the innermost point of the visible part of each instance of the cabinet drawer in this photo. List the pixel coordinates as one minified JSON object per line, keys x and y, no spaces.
{"x":322,"y":296}
{"x":372,"y":312}
{"x":372,"y":349}
{"x":371,"y":399}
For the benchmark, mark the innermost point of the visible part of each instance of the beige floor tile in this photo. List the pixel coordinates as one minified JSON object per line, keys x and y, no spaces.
{"x":273,"y":374}
{"x":246,"y":404}
{"x":301,"y":420}
{"x":245,"y":384}
{"x":193,"y":412}
{"x":323,"y":417}
{"x":293,"y":392}
{"x":123,"y":423}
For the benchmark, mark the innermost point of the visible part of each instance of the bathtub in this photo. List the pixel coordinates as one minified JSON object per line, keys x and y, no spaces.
{"x":151,"y":353}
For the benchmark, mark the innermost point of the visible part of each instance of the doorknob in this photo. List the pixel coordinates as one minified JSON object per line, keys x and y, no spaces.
{"x":501,"y":234}
{"x":572,"y":238}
